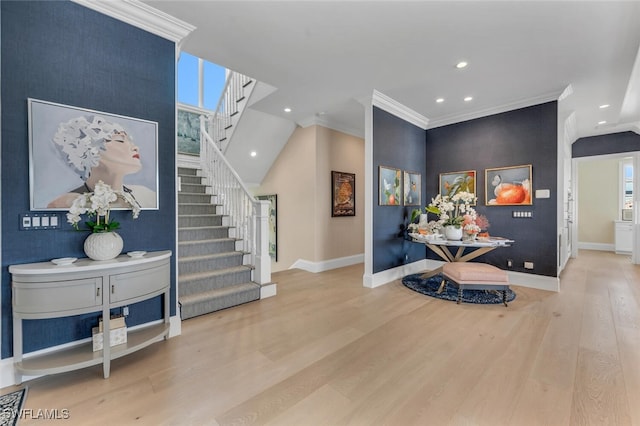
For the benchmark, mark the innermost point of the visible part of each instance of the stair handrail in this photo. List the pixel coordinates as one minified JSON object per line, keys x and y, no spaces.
{"x":228,"y":106}
{"x":247,"y":216}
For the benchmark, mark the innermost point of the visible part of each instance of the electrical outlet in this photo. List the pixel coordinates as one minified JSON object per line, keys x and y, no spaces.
{"x":125,"y":311}
{"x":509,"y":263}
{"x":528,"y":265}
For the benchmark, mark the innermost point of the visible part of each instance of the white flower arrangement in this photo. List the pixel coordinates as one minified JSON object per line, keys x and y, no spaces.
{"x":98,"y":203}
{"x":452,"y":209}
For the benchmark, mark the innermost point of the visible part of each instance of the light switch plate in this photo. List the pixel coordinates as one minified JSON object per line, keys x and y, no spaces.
{"x":38,"y":221}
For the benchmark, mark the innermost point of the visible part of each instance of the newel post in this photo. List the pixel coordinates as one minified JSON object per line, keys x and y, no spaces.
{"x":262,"y":273}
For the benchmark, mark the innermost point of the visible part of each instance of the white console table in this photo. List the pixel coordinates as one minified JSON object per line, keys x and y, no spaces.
{"x":44,"y":290}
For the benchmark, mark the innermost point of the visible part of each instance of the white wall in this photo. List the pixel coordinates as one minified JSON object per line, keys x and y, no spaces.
{"x":308,"y":237}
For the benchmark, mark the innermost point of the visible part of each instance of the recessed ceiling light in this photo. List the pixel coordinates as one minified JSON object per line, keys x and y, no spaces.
{"x":461,"y":64}
{"x":287,"y":109}
{"x":468,"y":98}
{"x":440,"y":100}
{"x":253,"y":153}
{"x":604,"y":106}
{"x":602,"y":122}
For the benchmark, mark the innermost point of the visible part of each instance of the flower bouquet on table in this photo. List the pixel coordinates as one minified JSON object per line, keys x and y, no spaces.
{"x":103,"y":243}
{"x":455,"y":214}
{"x":451,"y":209}
{"x":98,"y":204}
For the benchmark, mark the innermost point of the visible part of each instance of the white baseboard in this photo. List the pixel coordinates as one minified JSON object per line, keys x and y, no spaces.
{"x":175,"y":326}
{"x":7,"y":376}
{"x":596,"y":246}
{"x":521,"y":279}
{"x":268,"y":290}
{"x":327,"y":265}
{"x":389,"y":275}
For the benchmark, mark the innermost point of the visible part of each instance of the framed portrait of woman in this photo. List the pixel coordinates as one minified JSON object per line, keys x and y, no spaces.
{"x":72,"y":148}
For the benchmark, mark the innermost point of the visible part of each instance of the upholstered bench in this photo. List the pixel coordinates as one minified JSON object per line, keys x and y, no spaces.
{"x":476,"y":276}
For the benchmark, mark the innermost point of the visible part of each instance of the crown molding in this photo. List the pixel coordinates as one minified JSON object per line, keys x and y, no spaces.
{"x":392,"y":106}
{"x":458,"y":118}
{"x":320,"y":121}
{"x":140,"y":15}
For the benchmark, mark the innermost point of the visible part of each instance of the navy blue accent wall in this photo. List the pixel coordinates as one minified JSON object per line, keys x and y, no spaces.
{"x":65,"y":53}
{"x":524,"y":136}
{"x":613,"y":143}
{"x":401,"y":145}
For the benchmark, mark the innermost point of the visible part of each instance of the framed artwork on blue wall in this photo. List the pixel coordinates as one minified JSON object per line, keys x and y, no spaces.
{"x":453,"y":182}
{"x":389,"y":186}
{"x":72,"y":148}
{"x":412,"y":183}
{"x":508,"y":186}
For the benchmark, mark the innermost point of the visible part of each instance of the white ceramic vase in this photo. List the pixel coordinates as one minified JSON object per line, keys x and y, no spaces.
{"x":453,"y":232}
{"x":103,"y":245}
{"x":423,"y":223}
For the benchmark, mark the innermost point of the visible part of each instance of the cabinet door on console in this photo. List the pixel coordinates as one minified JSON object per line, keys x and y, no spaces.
{"x":137,"y":284}
{"x":56,"y":297}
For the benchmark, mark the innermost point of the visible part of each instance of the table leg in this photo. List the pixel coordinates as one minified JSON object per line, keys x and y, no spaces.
{"x":433,"y":272}
{"x":443,"y":285}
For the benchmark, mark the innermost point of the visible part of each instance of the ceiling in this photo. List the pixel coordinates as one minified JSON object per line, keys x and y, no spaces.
{"x":325,"y":58}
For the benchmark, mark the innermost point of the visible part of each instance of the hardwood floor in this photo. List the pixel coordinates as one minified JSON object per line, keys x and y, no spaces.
{"x":327,"y":351}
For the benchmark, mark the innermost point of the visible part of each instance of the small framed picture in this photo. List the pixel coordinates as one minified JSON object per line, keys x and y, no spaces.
{"x":453,"y":182}
{"x":389,"y":186}
{"x":508,"y":186}
{"x":412,"y":183}
{"x":343,"y":194}
{"x":273,"y":224}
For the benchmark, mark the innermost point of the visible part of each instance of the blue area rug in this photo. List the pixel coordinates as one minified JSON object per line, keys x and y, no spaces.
{"x":431,"y":285}
{"x":10,"y":406}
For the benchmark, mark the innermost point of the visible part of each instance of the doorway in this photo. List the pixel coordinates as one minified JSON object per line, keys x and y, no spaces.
{"x":598,"y":204}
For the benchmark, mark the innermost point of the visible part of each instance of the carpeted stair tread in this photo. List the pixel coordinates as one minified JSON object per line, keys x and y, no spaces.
{"x":215,"y":300}
{"x":191,"y":228}
{"x":212,"y":273}
{"x":211,"y":256}
{"x":207,"y":295}
{"x":200,"y":215}
{"x":212,"y":240}
{"x":199,"y":204}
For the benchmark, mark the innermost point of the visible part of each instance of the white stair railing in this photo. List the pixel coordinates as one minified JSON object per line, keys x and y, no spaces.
{"x":229,"y":108}
{"x":247,"y":216}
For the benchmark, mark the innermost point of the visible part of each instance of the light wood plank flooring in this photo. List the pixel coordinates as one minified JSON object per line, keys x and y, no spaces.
{"x":327,"y":351}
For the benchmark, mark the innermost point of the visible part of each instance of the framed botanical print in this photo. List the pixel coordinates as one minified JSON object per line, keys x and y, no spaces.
{"x":508,"y":186}
{"x":343,"y":194}
{"x":273,"y":224}
{"x":389,"y":186}
{"x":73,"y":148}
{"x":412,"y":183}
{"x":453,"y":182}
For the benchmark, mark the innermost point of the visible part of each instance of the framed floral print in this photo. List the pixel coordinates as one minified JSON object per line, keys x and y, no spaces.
{"x":273,"y":224}
{"x":508,"y":186}
{"x":389,"y":186}
{"x":453,"y":182}
{"x":412,"y":183}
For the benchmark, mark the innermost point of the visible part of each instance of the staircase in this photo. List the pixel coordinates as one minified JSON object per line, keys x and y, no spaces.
{"x":212,"y":274}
